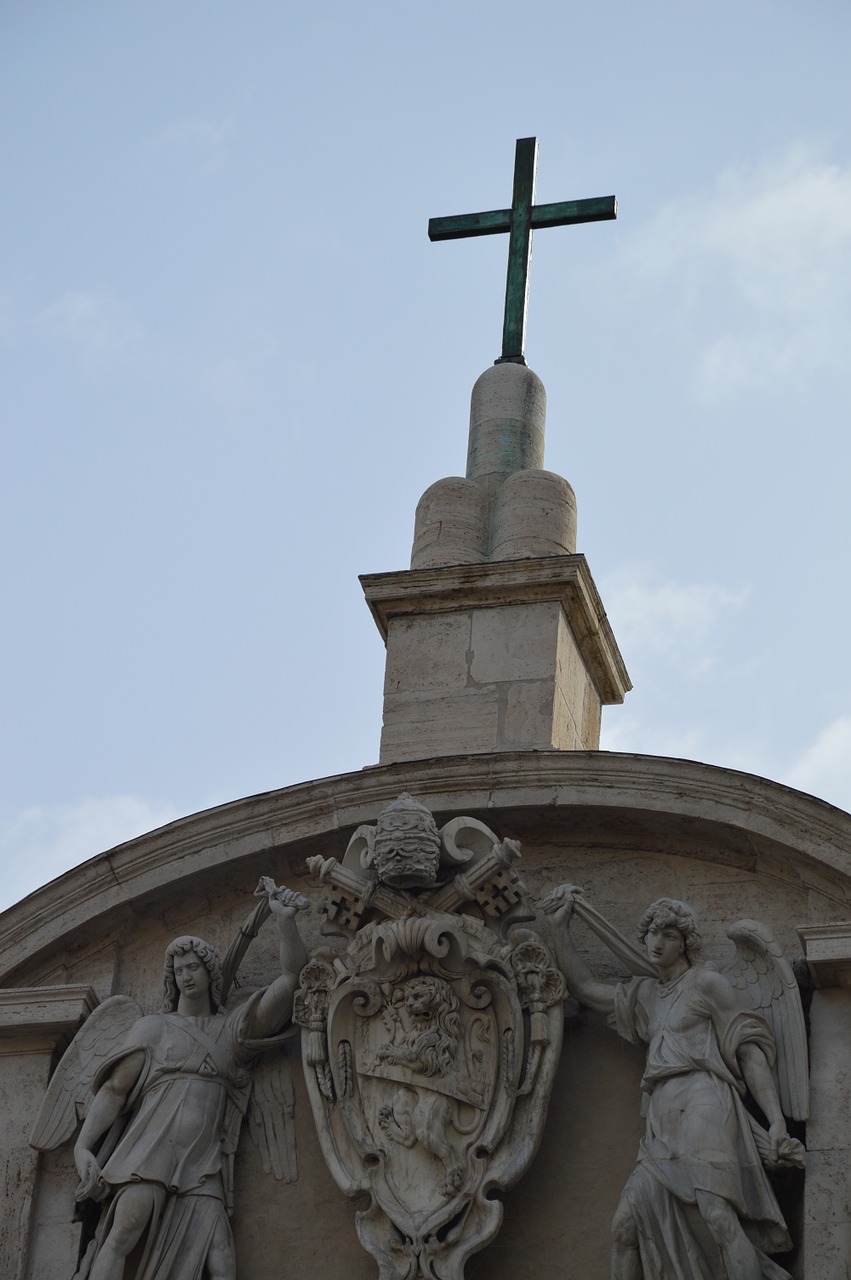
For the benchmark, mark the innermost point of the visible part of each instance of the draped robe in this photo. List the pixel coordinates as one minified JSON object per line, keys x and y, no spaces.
{"x":171,"y":1132}
{"x":698,"y":1134}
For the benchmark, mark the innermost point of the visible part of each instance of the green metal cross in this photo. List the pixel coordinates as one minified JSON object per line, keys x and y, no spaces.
{"x":520,"y":221}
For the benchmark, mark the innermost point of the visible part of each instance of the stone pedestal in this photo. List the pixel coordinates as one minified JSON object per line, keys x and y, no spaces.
{"x":496,"y":639}
{"x":495,"y":657}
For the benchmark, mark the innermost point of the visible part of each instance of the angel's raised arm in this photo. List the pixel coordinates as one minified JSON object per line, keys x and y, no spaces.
{"x":580,"y":980}
{"x":275,"y":1005}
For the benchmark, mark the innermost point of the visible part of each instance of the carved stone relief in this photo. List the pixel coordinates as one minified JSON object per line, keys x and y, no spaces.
{"x":430,"y":1044}
{"x":162,"y":1098}
{"x":429,"y":1047}
{"x":699,"y":1201}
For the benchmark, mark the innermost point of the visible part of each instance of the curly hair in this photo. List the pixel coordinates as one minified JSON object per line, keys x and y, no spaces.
{"x":670,"y":913}
{"x":205,"y":953}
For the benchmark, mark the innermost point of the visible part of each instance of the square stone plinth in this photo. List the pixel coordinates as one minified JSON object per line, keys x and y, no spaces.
{"x":496,"y":657}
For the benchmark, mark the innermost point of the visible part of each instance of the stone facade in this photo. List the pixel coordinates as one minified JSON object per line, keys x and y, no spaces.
{"x":627,"y":828}
{"x":428,"y":1077}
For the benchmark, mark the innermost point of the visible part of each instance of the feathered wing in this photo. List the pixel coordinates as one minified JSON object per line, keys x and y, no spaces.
{"x":271,"y":1116}
{"x":764,"y":978}
{"x":69,"y":1092}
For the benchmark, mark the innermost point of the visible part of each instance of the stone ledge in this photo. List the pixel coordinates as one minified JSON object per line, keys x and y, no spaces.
{"x":566,"y":579}
{"x":816,"y":834}
{"x":35,"y":1017}
{"x":827,"y":948}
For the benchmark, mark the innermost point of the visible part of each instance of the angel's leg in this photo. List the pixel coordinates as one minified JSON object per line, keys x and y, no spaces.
{"x":626,"y":1260}
{"x":741,"y":1261}
{"x":221,"y":1264}
{"x":131,"y":1213}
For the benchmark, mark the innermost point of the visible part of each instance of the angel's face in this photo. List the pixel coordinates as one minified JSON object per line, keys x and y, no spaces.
{"x":665,"y":945}
{"x":191,"y":975}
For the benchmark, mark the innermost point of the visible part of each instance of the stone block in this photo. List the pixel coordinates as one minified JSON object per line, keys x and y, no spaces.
{"x":420,"y":725}
{"x":528,"y":717}
{"x":517,"y":642}
{"x":566,"y":734}
{"x":827,"y":1216}
{"x":427,"y":653}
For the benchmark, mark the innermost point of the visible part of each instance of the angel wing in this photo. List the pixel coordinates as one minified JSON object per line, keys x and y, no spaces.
{"x":271,"y":1116}
{"x":265,"y":1100}
{"x":763,"y":976}
{"x":69,"y":1092}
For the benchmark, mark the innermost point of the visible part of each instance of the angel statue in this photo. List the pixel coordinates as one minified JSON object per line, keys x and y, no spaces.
{"x":699,"y":1203}
{"x":164,"y":1097}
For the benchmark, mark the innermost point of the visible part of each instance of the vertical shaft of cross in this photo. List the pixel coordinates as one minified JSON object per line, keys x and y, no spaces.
{"x":520,"y":221}
{"x":519,"y":251}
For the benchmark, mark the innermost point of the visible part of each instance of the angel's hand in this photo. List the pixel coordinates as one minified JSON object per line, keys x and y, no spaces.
{"x":787,"y":1152}
{"x":91,"y":1187}
{"x":792,"y":1154}
{"x":283,"y":902}
{"x":559,"y":903}
{"x":778,"y":1143}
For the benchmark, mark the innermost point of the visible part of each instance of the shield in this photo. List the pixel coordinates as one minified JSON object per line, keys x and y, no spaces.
{"x":431,"y":1043}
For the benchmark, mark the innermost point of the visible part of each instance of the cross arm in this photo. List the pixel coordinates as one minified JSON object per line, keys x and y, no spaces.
{"x":598,"y":209}
{"x":462,"y":225}
{"x":491,"y":223}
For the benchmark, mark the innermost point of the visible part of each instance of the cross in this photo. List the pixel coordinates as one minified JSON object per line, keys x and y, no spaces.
{"x":520,"y":221}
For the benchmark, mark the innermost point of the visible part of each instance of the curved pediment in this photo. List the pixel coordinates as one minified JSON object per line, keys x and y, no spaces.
{"x":573,"y":799}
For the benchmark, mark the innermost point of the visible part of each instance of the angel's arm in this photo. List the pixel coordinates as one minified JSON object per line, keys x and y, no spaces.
{"x":105,"y":1109}
{"x":275,"y":1005}
{"x":760,"y":1081}
{"x":580,"y":980}
{"x":754,"y":1065}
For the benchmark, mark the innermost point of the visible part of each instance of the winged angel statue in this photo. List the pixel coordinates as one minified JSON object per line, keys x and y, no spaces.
{"x":162,"y":1099}
{"x":699,"y":1202}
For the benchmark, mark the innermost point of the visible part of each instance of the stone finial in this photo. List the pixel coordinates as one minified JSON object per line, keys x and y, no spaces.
{"x":507,"y":507}
{"x":496,"y":637}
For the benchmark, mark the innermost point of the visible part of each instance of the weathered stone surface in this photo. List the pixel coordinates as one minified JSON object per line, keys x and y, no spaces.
{"x":534,"y":514}
{"x":428,"y":654}
{"x":827,"y":948}
{"x":472,"y":636}
{"x":507,"y":509}
{"x":508,"y":411}
{"x":699,"y":1200}
{"x":430,"y":1045}
{"x":451,"y":524}
{"x":827,"y":1198}
{"x":628,"y":828}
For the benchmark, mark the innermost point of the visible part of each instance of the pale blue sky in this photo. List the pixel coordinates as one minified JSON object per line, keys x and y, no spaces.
{"x":232,"y":361}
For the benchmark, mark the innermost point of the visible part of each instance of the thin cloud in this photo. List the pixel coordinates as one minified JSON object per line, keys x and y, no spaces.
{"x":201,"y":143}
{"x":668,"y":619}
{"x":98,"y":329}
{"x":760,"y":267}
{"x":665,"y":629}
{"x":41,"y":843}
{"x":824,"y":767}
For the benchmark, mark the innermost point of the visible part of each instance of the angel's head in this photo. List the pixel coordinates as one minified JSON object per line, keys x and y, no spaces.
{"x":667,"y":914}
{"x":177,"y":955}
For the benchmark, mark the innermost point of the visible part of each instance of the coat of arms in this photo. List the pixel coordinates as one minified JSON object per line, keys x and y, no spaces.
{"x":430,"y":1044}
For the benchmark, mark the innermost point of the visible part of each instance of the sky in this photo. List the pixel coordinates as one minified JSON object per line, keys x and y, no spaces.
{"x":231,"y":361}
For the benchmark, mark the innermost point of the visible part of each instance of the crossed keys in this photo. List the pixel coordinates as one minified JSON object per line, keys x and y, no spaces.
{"x":492,"y":882}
